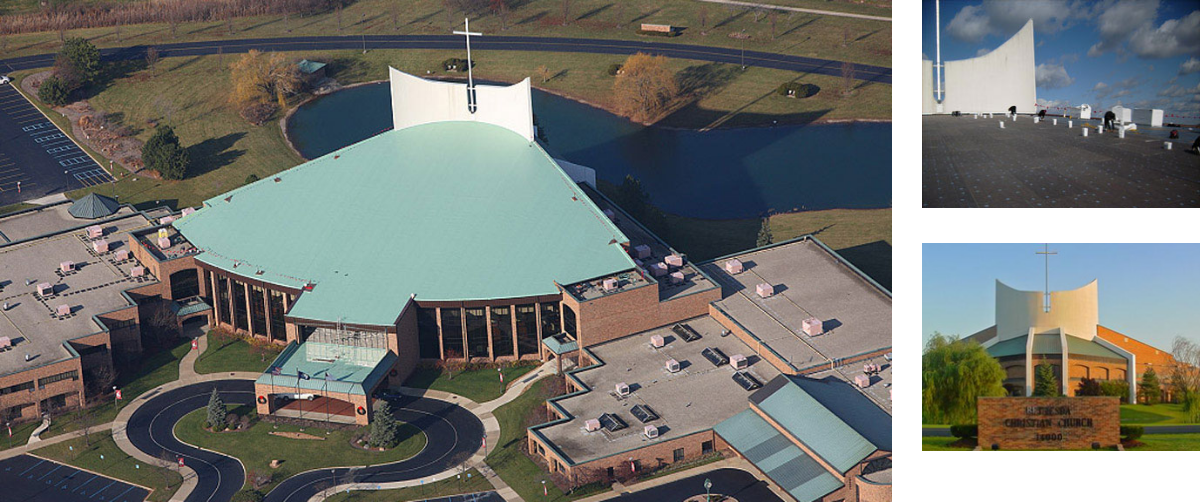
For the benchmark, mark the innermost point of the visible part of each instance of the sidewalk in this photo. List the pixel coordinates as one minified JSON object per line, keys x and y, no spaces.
{"x":797,"y":9}
{"x":26,"y":448}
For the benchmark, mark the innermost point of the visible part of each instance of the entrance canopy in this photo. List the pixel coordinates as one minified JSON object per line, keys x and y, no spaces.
{"x":328,"y":368}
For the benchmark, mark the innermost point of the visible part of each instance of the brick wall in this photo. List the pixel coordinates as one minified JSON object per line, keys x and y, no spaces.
{"x":633,"y":311}
{"x":1028,"y":423}
{"x":74,"y":388}
{"x":648,"y":457}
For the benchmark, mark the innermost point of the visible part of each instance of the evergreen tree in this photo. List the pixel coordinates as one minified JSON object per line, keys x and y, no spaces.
{"x":954,"y":374}
{"x":216,"y":410}
{"x":84,"y":56}
{"x":764,"y":233}
{"x":384,"y":429}
{"x":1150,"y":389}
{"x":163,"y":153}
{"x":1045,"y":384}
{"x":53,"y":91}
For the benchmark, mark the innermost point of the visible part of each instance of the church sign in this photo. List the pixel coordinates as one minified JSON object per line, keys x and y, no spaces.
{"x":1048,"y":423}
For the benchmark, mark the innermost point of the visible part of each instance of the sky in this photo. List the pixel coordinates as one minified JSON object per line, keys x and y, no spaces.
{"x":1136,"y":53}
{"x":1148,"y":291}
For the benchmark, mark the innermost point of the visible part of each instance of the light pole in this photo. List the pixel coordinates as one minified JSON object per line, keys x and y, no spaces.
{"x":707,"y":487}
{"x":742,"y":37}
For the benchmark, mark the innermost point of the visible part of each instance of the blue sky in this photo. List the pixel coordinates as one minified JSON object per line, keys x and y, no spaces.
{"x":1137,"y":53}
{"x":1147,"y":291}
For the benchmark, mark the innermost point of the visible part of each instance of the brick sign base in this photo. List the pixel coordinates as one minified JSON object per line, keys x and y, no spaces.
{"x":1048,"y":423}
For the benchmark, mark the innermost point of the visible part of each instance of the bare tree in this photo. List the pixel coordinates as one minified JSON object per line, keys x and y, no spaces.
{"x":168,"y":462}
{"x":846,"y":36}
{"x":501,"y":9}
{"x":1185,"y":375}
{"x":758,"y":14}
{"x":847,"y":78}
{"x":101,"y":378}
{"x":229,"y":20}
{"x":566,"y":12}
{"x":152,"y":60}
{"x":771,"y":17}
{"x":703,"y":15}
{"x":339,"y":17}
{"x":544,"y":73}
{"x":86,"y":418}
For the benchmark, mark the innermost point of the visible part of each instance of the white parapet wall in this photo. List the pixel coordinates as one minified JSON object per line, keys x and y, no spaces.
{"x":928,"y":100}
{"x":417,"y":101}
{"x":1076,"y":312}
{"x":995,"y":81}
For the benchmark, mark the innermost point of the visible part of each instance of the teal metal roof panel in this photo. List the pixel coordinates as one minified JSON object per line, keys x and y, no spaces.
{"x":813,"y":424}
{"x":329,"y":367}
{"x":93,"y":206}
{"x":781,"y":460}
{"x":1010,"y":347}
{"x":1047,"y":344}
{"x":307,"y":66}
{"x":446,"y":211}
{"x":1081,"y":347}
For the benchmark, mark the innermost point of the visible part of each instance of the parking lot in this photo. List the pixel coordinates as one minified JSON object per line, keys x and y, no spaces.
{"x":31,"y":479}
{"x":38,"y":156}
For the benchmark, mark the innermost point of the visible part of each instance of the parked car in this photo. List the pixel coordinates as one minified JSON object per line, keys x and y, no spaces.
{"x":4,"y":79}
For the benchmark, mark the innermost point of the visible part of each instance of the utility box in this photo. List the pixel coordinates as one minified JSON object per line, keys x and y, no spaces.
{"x":733,"y":266}
{"x":591,"y":425}
{"x":1085,"y":112}
{"x":764,"y":290}
{"x":1148,"y":117}
{"x":812,"y":326}
{"x":739,"y":362}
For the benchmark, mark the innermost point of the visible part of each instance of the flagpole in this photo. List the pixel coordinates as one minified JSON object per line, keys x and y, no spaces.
{"x":299,"y":401}
{"x":325,"y":393}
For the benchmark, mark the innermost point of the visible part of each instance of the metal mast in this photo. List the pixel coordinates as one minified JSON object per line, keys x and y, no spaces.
{"x":938,"y":65}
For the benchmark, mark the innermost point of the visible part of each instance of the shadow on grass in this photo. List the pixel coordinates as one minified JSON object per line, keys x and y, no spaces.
{"x":214,"y":153}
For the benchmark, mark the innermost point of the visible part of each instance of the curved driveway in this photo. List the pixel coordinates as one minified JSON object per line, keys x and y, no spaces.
{"x":453,"y":434}
{"x":488,"y":42}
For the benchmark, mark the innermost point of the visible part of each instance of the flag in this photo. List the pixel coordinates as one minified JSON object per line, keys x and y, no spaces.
{"x":275,"y":370}
{"x":302,"y":375}
{"x":485,"y":443}
{"x":501,"y":375}
{"x":632,"y":468}
{"x":544,"y":491}
{"x":196,"y":344}
{"x":9,"y":429}
{"x":118,"y":394}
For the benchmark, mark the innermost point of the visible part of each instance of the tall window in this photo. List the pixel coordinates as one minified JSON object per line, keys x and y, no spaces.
{"x":452,"y":333}
{"x":240,"y":318}
{"x":207,"y":282}
{"x":258,"y":310}
{"x":569,"y":320}
{"x":223,"y":298}
{"x":527,"y":338}
{"x":427,"y":333}
{"x":477,"y":336}
{"x":550,"y":325}
{"x":502,"y":342}
{"x":277,"y":311}
{"x":185,"y":283}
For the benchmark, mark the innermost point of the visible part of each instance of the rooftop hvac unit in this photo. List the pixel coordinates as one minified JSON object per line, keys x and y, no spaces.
{"x":862,"y":381}
{"x":63,"y":310}
{"x":641,"y":251}
{"x":674,"y":260}
{"x":812,"y":326}
{"x":45,"y":289}
{"x":765,"y":290}
{"x":686,"y":332}
{"x":610,"y":284}
{"x":739,"y":362}
{"x":187,"y":211}
{"x":651,"y":431}
{"x":658,"y":269}
{"x":676,"y":277}
{"x":657,"y":341}
{"x":137,"y":271}
{"x":5,"y":342}
{"x":122,"y":255}
{"x":95,"y":231}
{"x":733,"y":266}
{"x":715,"y":356}
{"x":66,"y":266}
{"x":592,"y":425}
{"x":165,"y":220}
{"x":672,"y":366}
{"x":888,"y":356}
{"x":164,"y":242}
{"x":622,"y":389}
{"x":100,"y":246}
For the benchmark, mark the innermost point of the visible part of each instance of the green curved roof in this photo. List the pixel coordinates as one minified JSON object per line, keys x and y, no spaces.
{"x":1051,"y":344}
{"x":444,"y":211}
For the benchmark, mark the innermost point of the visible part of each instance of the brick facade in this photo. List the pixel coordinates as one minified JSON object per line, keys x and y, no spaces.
{"x":633,"y":311}
{"x":1039,"y":423}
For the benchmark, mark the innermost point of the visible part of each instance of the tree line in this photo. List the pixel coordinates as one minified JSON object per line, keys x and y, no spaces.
{"x":61,"y":16}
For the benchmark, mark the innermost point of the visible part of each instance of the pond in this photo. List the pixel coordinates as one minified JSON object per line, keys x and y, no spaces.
{"x":718,"y":174}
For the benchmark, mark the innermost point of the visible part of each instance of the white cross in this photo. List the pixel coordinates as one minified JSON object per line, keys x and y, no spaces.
{"x":471,"y":104}
{"x":1046,"y":294}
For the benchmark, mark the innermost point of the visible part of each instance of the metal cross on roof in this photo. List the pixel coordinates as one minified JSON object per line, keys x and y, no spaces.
{"x":467,"y":33}
{"x":1046,"y":295}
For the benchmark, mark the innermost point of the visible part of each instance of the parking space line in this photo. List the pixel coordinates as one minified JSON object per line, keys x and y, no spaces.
{"x":31,"y":467}
{"x":58,"y":142}
{"x":62,"y":153}
{"x":48,"y":472}
{"x":124,"y":492}
{"x":77,"y":488}
{"x":102,"y":489}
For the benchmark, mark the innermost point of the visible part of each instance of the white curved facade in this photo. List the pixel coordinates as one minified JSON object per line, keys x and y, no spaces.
{"x":417,"y":101}
{"x":928,"y":100}
{"x":994,"y":81}
{"x":1075,"y":313}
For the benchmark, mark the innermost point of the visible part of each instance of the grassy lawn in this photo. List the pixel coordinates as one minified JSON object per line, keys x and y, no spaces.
{"x":227,"y":353}
{"x":20,"y":435}
{"x":256,"y":447}
{"x":115,"y":463}
{"x":508,"y":458}
{"x":1158,"y":414}
{"x":940,"y":444}
{"x":812,"y":35}
{"x":480,"y":386}
{"x":1169,"y":442}
{"x":154,"y":370}
{"x":471,"y":482}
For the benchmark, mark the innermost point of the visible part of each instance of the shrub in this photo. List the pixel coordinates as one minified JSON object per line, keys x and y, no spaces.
{"x":1132,"y":432}
{"x":614,"y":69}
{"x":797,"y":90}
{"x":1088,"y":387}
{"x":247,"y":496}
{"x":1115,"y":388}
{"x":384,"y":429}
{"x":53,"y":92}
{"x":258,"y":113}
{"x":245,"y":423}
{"x":163,"y":153}
{"x":456,"y":64}
{"x":963,"y":431}
{"x":84,"y":56}
{"x":231,"y":420}
{"x":251,"y":178}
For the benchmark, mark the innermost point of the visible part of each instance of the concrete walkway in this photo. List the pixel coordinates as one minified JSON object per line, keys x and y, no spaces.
{"x":36,"y":435}
{"x":491,"y":428}
{"x":187,"y":365}
{"x":23,"y":449}
{"x":753,"y":5}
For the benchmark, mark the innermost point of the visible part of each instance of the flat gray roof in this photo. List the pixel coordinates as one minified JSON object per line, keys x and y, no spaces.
{"x":809,"y":281}
{"x":43,"y":221}
{"x":696,"y":398}
{"x":93,"y":288}
{"x":968,"y":162}
{"x":879,"y":390}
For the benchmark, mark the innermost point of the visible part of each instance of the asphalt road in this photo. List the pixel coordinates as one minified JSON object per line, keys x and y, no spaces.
{"x":944,"y":432}
{"x":483,"y":43}
{"x":36,"y":154}
{"x":453,"y":435}
{"x":737,"y":483}
{"x":27,"y":478}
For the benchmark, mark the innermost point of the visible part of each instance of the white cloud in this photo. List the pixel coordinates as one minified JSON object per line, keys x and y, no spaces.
{"x":1052,"y":76}
{"x":1005,"y":17}
{"x":1190,"y":66}
{"x":1178,"y":91}
{"x":970,"y":25}
{"x":1174,"y":37}
{"x":1118,"y":20}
